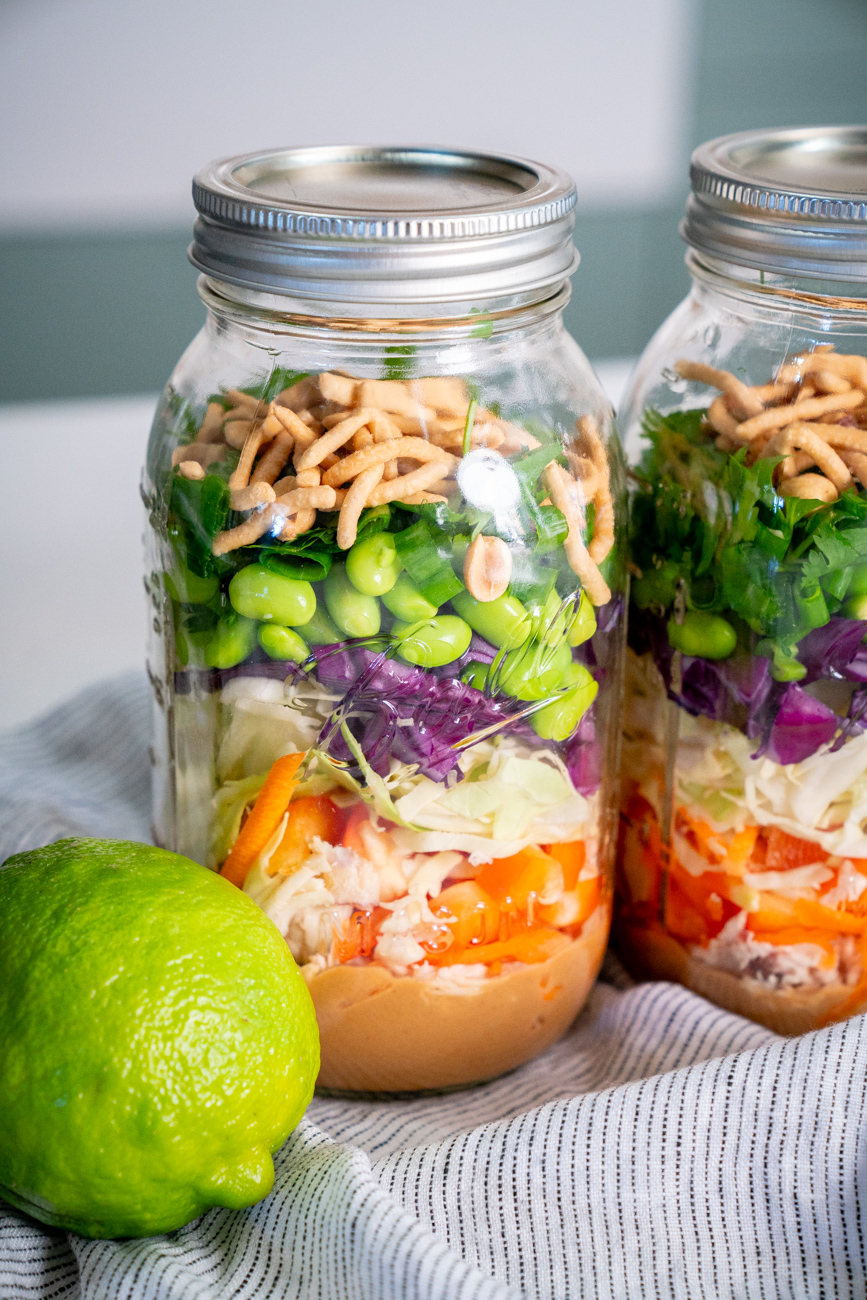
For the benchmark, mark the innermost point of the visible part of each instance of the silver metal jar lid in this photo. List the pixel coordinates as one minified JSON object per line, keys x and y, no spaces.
{"x":403,"y":226}
{"x":792,"y":202}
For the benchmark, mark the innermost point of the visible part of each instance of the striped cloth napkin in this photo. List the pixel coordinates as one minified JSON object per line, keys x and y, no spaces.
{"x":664,"y":1148}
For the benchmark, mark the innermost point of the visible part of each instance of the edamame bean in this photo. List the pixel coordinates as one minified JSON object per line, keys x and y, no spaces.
{"x":319,"y":630}
{"x":282,"y":643}
{"x":858,"y":583}
{"x":549,"y":619}
{"x":354,"y":613}
{"x":585,"y":622}
{"x":187,"y":587}
{"x":372,"y":564}
{"x":503,"y":622}
{"x":557,"y":720}
{"x":190,"y":646}
{"x":557,"y":619}
{"x":475,"y":674}
{"x":785,"y":664}
{"x":405,"y":601}
{"x":432,"y":644}
{"x":233,"y":639}
{"x":655,"y":586}
{"x":256,"y":592}
{"x":705,"y":635}
{"x":534,"y":670}
{"x":856,"y":607}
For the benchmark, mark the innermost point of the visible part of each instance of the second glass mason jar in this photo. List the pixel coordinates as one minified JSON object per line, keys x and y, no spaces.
{"x":385,"y":566}
{"x":743,"y":862}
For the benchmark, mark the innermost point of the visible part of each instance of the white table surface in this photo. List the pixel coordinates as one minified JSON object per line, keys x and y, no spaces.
{"x":70,"y":539}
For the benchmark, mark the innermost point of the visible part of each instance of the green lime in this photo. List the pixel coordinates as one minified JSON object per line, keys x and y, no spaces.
{"x":157,"y":1040}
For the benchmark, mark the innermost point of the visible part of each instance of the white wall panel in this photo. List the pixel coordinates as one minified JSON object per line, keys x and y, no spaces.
{"x":109,"y":107}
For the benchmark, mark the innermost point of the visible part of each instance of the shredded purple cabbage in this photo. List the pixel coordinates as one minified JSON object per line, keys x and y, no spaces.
{"x":835,"y":650}
{"x":395,"y":709}
{"x":206,"y":680}
{"x":855,"y":721}
{"x":608,"y":616}
{"x":481,"y":651}
{"x":789,"y":723}
{"x":801,"y":726}
{"x":717,"y":689}
{"x":584,"y":757}
{"x":426,"y":715}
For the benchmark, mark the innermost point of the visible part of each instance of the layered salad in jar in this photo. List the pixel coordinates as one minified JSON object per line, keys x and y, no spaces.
{"x":743,"y":855}
{"x":391,"y":617}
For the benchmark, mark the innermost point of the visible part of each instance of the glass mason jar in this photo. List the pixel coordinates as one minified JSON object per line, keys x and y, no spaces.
{"x":386,"y":555}
{"x":743,"y":857}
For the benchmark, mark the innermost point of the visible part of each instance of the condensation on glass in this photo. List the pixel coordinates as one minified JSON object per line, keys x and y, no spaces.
{"x":743,"y":853}
{"x":386,"y":566}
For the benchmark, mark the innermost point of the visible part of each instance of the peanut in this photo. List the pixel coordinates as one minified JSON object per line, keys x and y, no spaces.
{"x":487,"y":568}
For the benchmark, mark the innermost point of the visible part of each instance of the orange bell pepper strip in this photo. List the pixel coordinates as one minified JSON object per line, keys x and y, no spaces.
{"x":701,"y":889}
{"x":726,"y":851}
{"x":682,"y":918}
{"x":576,"y":904}
{"x":536,"y":944}
{"x":514,"y":881}
{"x":471,"y":914}
{"x":351,"y":837}
{"x":785,"y":850}
{"x":271,"y":803}
{"x":571,"y":858}
{"x":778,"y":913}
{"x":309,"y":818}
{"x":357,"y":936}
{"x":588,"y":892}
{"x":639,"y":856}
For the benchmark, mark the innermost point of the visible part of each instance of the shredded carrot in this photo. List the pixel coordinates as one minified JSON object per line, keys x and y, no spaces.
{"x":740,"y":848}
{"x":820,"y":938}
{"x":271,"y":803}
{"x":706,"y":842}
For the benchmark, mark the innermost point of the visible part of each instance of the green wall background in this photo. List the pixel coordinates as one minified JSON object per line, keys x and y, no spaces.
{"x":96,"y":313}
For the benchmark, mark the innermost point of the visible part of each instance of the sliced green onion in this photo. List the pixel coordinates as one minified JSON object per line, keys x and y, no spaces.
{"x":312,"y":566}
{"x":426,"y":553}
{"x":468,"y":426}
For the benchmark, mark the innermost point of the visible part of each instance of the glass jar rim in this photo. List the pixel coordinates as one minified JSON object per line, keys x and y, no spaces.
{"x":788,"y":201}
{"x":414,"y":226}
{"x":281,"y":312}
{"x":783,"y":292}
